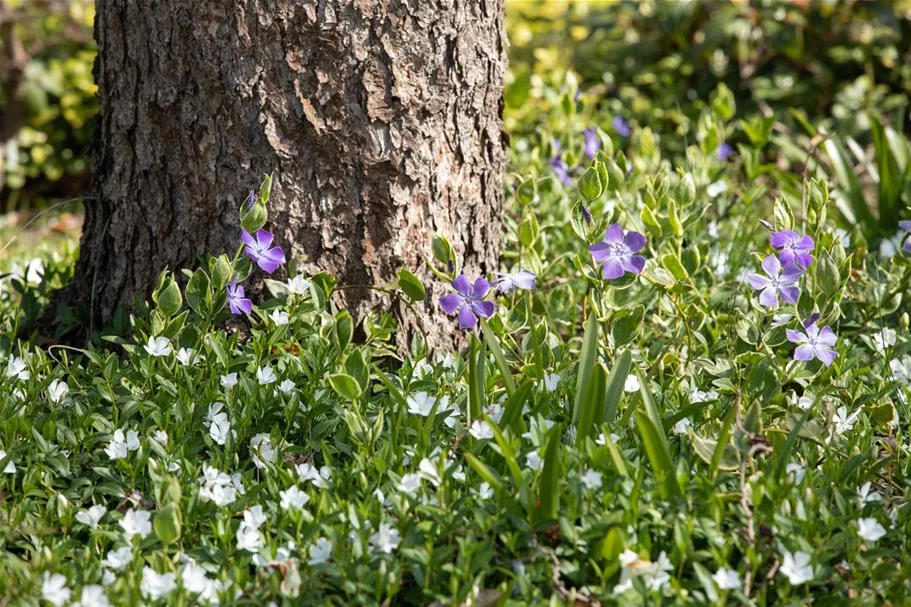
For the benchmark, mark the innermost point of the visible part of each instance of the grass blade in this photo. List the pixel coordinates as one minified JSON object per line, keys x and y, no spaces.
{"x":587,"y":358}
{"x":592,"y":405}
{"x":494,"y":344}
{"x":549,"y":491}
{"x":615,"y":384}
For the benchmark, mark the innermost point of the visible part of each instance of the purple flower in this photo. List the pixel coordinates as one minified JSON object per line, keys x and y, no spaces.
{"x":251,"y":200}
{"x":559,"y":166}
{"x":617,"y":252}
{"x":468,"y":302}
{"x":586,"y":214}
{"x":592,"y":143}
{"x":906,"y":226}
{"x":779,"y":281}
{"x":523,"y":279}
{"x":724,"y":151}
{"x":793,"y":247}
{"x":621,"y":126}
{"x":236,"y":300}
{"x":260,"y":250}
{"x":814,"y":343}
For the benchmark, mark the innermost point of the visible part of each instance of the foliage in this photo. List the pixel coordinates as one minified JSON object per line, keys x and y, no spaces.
{"x":663,"y":436}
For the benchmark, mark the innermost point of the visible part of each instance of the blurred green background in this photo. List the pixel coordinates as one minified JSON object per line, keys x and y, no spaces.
{"x":656,"y":63}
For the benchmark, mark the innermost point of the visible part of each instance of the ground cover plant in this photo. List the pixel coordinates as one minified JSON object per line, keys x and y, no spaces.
{"x":687,"y":384}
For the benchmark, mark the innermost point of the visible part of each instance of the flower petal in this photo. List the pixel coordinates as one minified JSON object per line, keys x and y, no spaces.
{"x":758,"y":281}
{"x":781,"y":238}
{"x":614,"y":234}
{"x":905,"y":225}
{"x":827,"y":337}
{"x":612,"y":268}
{"x":769,"y":297}
{"x":791,"y":273}
{"x":789,"y":294}
{"x":524,"y":280}
{"x":806,"y":243}
{"x":804,"y":352}
{"x":264,"y":238}
{"x":635,"y":241}
{"x":450,"y":302}
{"x":467,"y":319}
{"x":600,"y":251}
{"x":826,"y":355}
{"x":771,"y":266}
{"x":480,"y":288}
{"x":247,"y":237}
{"x":633,"y":264}
{"x":483,"y":308}
{"x":461,"y":285}
{"x":795,"y":337}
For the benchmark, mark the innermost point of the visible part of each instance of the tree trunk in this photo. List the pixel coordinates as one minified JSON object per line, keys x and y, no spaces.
{"x":379,"y":120}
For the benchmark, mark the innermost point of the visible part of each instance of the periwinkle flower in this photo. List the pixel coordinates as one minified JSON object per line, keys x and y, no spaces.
{"x":592,"y":143}
{"x":559,"y":166}
{"x":260,"y":250}
{"x":621,"y":126}
{"x":617,"y":252}
{"x":251,"y":200}
{"x":586,"y":214}
{"x":906,"y":226}
{"x":780,"y":281}
{"x":724,"y":151}
{"x":523,"y":279}
{"x":468,"y":302}
{"x":236,"y":300}
{"x":814,"y":343}
{"x":793,"y":247}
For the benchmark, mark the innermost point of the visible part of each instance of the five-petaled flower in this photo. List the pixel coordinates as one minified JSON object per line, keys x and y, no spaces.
{"x":561,"y":169}
{"x":238,"y":303}
{"x":793,"y":247}
{"x":780,"y":281}
{"x":617,"y":252}
{"x":815,"y":343}
{"x":468,"y":301}
{"x":621,"y":126}
{"x":523,"y":279}
{"x":260,"y":250}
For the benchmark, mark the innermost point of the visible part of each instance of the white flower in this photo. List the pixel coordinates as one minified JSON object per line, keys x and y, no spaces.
{"x":796,"y":567}
{"x":591,"y":479}
{"x":698,"y":396}
{"x":888,"y":247}
{"x":118,"y":559}
{"x":423,"y":368}
{"x":523,"y":279}
{"x":551,"y":382}
{"x":682,"y":426}
{"x":195,"y":580}
{"x":136,"y":522}
{"x":279,"y":317}
{"x":534,"y":428}
{"x":495,"y":412}
{"x":866,"y":496}
{"x":286,"y":387}
{"x":219,"y":426}
{"x":797,"y":470}
{"x":160,"y":437}
{"x":121,"y":444}
{"x":261,"y":450}
{"x":485,"y":491}
{"x":718,"y":259}
{"x":254,"y":517}
{"x":10,"y":467}
{"x":901,"y":370}
{"x":716,"y":188}
{"x":57,"y":391}
{"x":299,"y":285}
{"x":156,"y":585}
{"x":533,"y":461}
{"x":451,"y":410}
{"x":229,"y":381}
{"x":843,"y":421}
{"x":265,"y":375}
{"x":654,"y":574}
{"x":293,"y":498}
{"x":320,"y":551}
{"x":218,"y":487}
{"x":429,"y":471}
{"x":386,"y":539}
{"x":249,"y":538}
{"x":884,"y":338}
{"x":158,"y":346}
{"x":869,"y":530}
{"x":727,"y":579}
{"x":92,"y":596}
{"x":421,"y":404}
{"x":602,"y":439}
{"x":631,"y":384}
{"x":92,"y":516}
{"x":16,"y":369}
{"x":54,"y":589}
{"x":480,"y":430}
{"x":308,"y":472}
{"x":803,"y":402}
{"x":410,"y":484}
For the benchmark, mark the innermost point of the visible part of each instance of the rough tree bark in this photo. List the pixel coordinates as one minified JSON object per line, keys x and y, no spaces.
{"x":380,"y":120}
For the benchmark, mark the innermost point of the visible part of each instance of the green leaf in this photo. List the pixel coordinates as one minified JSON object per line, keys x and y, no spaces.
{"x":890,"y":178}
{"x":723,"y":441}
{"x":197,"y":288}
{"x":593,"y":404}
{"x":484,"y":472}
{"x":827,"y":274}
{"x":411,"y":285}
{"x":345,"y":385}
{"x":512,"y":409}
{"x":659,"y":455}
{"x":527,"y":191}
{"x":343,"y":329}
{"x":549,"y":491}
{"x":253,"y":218}
{"x":167,"y":524}
{"x":494,"y":344}
{"x":477,"y":396}
{"x":590,"y":185}
{"x":529,"y":230}
{"x":625,"y":325}
{"x":588,"y":356}
{"x":851,"y":202}
{"x":615,"y":384}
{"x":706,"y":448}
{"x":169,"y":298}
{"x":673,"y":265}
{"x":222,"y":272}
